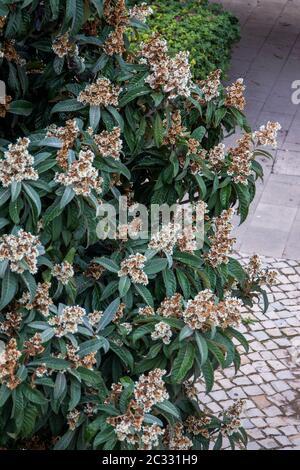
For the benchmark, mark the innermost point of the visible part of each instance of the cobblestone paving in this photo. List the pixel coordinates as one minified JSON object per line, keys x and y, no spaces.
{"x":268,"y":58}
{"x":269,"y":378}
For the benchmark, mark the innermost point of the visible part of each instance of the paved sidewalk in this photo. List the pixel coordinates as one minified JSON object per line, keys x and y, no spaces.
{"x":268,"y":57}
{"x":269,"y":378}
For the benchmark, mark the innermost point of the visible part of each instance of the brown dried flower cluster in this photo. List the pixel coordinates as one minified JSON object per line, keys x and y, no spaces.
{"x":197,"y":426}
{"x":241,"y":159}
{"x":210,"y":87}
{"x":17,"y":164}
{"x":114,"y":44}
{"x":21,"y":250}
{"x":41,"y":301}
{"x":88,"y":361}
{"x":109,"y":143}
{"x":171,"y":307}
{"x":68,"y":320}
{"x":2,"y":22}
{"x":100,"y":93}
{"x":62,"y":46}
{"x":95,"y":317}
{"x":119,"y":313}
{"x":67,"y":134}
{"x":235,"y":95}
{"x":133,"y":267}
{"x":162,"y":331}
{"x":81,"y":175}
{"x":63,"y":272}
{"x":202,"y":312}
{"x":267,"y":135}
{"x":4,"y":107}
{"x":11,"y":324}
{"x":150,"y":389}
{"x":146,"y":311}
{"x":232,"y":418}
{"x":33,"y":346}
{"x":115,"y":12}
{"x":172,"y":74}
{"x":221,"y":243}
{"x":73,"y":418}
{"x":94,"y":271}
{"x":129,"y":425}
{"x":175,"y":130}
{"x":175,"y":439}
{"x":258,"y":274}
{"x":9,"y":364}
{"x":10,"y":53}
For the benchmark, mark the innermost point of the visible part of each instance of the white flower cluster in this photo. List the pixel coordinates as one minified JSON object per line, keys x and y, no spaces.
{"x":67,"y":321}
{"x":63,"y":272}
{"x":81,"y":175}
{"x":150,"y":389}
{"x":21,"y":250}
{"x":133,"y":267}
{"x":172,"y":74}
{"x":162,"y":331}
{"x":17,"y":164}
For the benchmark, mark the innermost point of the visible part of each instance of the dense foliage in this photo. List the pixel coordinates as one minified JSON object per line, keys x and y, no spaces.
{"x":202,"y":28}
{"x":103,"y":341}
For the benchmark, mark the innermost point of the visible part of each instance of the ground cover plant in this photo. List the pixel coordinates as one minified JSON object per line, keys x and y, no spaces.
{"x":205,"y":29}
{"x":103,"y":341}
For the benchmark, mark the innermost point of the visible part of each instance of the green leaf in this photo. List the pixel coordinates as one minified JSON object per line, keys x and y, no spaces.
{"x":30,"y":283}
{"x":170,"y":282}
{"x":5,"y":393}
{"x":184,"y":283}
{"x":67,"y":106}
{"x":145,"y":294}
{"x":4,"y":195}
{"x":59,"y":385}
{"x":65,"y":441}
{"x":216,"y":352}
{"x":95,"y":115}
{"x":34,"y":395}
{"x":123,"y":353}
{"x":21,"y":108}
{"x":158,"y":130}
{"x":133,"y":94}
{"x":109,"y":313}
{"x":124,"y":285}
{"x":91,"y":346}
{"x":67,"y":197}
{"x":75,"y":392}
{"x":155,"y":265}
{"x":108,"y":264}
{"x":8,"y":289}
{"x":169,"y":408}
{"x":199,"y":133}
{"x":202,"y":347}
{"x":208,"y":374}
{"x":91,"y":377}
{"x":183,"y":363}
